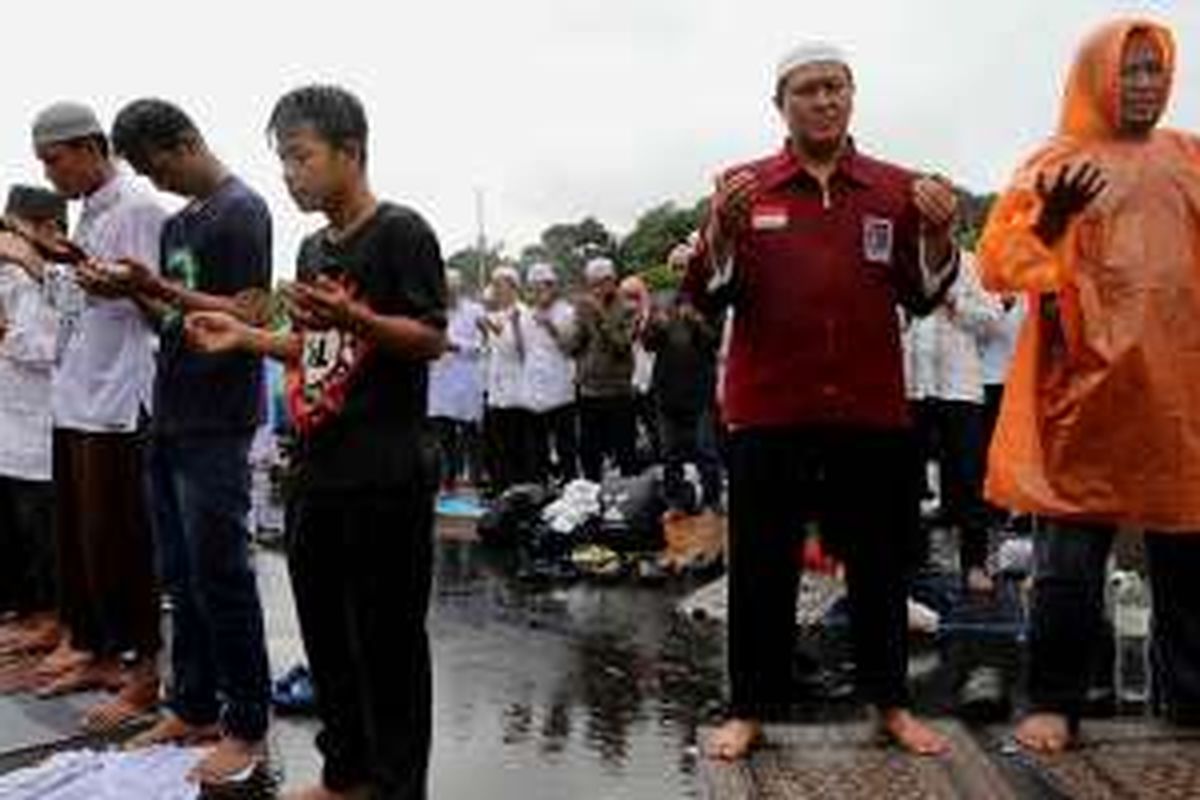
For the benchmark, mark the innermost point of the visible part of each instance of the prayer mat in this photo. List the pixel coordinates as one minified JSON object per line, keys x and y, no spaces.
{"x":848,"y":761}
{"x":1119,"y":760}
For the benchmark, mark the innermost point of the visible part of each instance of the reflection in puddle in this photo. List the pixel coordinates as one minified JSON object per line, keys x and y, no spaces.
{"x":607,"y":681}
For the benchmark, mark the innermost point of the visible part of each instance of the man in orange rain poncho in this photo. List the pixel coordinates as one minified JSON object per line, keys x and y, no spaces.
{"x":1100,"y":424}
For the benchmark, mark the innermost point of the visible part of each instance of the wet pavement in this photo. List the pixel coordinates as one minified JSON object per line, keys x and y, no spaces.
{"x":550,"y":692}
{"x":598,"y":690}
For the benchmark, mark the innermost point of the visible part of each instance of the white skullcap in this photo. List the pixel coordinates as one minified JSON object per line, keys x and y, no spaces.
{"x":64,"y":122}
{"x":810,"y":53}
{"x":541,"y":273}
{"x":599,"y":269}
{"x":507,"y":274}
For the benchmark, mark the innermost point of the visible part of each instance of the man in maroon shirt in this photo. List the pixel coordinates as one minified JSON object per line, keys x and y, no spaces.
{"x":814,"y":247}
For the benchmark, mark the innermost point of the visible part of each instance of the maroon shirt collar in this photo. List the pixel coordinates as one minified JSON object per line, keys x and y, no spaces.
{"x":784,"y":168}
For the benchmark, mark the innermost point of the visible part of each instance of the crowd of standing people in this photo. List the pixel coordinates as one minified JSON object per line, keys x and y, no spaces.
{"x":541,"y":387}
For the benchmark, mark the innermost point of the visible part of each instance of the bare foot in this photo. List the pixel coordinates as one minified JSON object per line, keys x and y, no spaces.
{"x":321,"y":793}
{"x":138,"y":696}
{"x":170,"y":729}
{"x":912,"y":735}
{"x":979,"y":582}
{"x":231,"y":761}
{"x":11,"y":632}
{"x":733,"y":740}
{"x":16,"y":674}
{"x":1045,"y":733}
{"x":35,"y":641}
{"x":92,"y":674}
{"x":61,"y":659}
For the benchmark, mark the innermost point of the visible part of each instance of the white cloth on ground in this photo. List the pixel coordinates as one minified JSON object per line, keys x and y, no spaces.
{"x":154,"y":773}
{"x":578,"y":502}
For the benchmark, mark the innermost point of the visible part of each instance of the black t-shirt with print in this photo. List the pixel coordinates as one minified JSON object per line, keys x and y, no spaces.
{"x":220,"y":246}
{"x":360,"y":411}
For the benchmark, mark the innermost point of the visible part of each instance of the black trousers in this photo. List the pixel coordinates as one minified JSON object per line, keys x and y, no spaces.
{"x":851,"y":482}
{"x":952,"y":433}
{"x":607,"y":428}
{"x":513,"y":442}
{"x":361,"y":564}
{"x":687,"y":436}
{"x":556,"y":442}
{"x":993,"y":395}
{"x":27,"y":570}
{"x":459,"y":450}
{"x":1067,"y":617}
{"x":647,"y":437}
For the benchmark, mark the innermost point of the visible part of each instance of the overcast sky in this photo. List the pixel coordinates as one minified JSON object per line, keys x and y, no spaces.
{"x":561,"y":108}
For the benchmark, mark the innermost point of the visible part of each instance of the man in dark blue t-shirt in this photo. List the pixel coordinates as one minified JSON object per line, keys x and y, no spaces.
{"x":216,"y":255}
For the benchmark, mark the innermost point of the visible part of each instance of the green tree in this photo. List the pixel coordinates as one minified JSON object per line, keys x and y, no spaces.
{"x":656,"y":232}
{"x":974,"y":210}
{"x":568,"y":245}
{"x":474,"y":267}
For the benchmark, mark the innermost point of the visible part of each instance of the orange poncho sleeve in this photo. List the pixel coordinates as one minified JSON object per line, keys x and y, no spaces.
{"x":1011,"y":257}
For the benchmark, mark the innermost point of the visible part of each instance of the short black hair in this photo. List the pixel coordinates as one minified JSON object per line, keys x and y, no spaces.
{"x":36,"y":204}
{"x":335,"y":114}
{"x":148,"y":126}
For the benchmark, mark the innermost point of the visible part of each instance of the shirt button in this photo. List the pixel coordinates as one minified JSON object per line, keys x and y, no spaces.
{"x":829,"y":390}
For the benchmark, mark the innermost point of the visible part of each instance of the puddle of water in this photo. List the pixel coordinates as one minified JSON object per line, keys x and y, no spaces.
{"x":581,"y":691}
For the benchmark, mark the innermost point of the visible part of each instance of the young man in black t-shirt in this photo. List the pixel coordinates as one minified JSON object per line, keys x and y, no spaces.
{"x":368,"y":314}
{"x":215,"y":255}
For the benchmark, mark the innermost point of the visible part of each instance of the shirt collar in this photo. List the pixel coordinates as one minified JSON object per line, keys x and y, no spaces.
{"x":785,"y":168}
{"x":105,"y":197}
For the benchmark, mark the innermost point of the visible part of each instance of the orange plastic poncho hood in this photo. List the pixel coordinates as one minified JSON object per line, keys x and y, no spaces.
{"x":1101,"y":413}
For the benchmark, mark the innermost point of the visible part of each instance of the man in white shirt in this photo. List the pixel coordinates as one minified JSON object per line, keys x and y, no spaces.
{"x":100,"y":396}
{"x":28,"y":331}
{"x":996,"y":348}
{"x":550,"y":377}
{"x":509,"y":425}
{"x":945,"y":383}
{"x":456,"y":387}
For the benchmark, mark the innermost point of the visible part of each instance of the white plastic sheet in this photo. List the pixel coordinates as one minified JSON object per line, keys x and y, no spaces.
{"x":157,"y":773}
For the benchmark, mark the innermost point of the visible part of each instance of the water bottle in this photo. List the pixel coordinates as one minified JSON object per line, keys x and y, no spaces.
{"x":1129,"y":603}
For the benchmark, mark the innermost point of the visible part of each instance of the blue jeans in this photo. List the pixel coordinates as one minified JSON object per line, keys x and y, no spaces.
{"x":201,"y":498}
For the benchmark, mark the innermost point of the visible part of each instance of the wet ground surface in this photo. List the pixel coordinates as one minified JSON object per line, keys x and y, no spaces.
{"x":599,"y":690}
{"x":547,"y":692}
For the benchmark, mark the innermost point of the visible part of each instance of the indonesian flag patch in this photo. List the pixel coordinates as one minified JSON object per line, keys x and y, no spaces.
{"x":768,"y":217}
